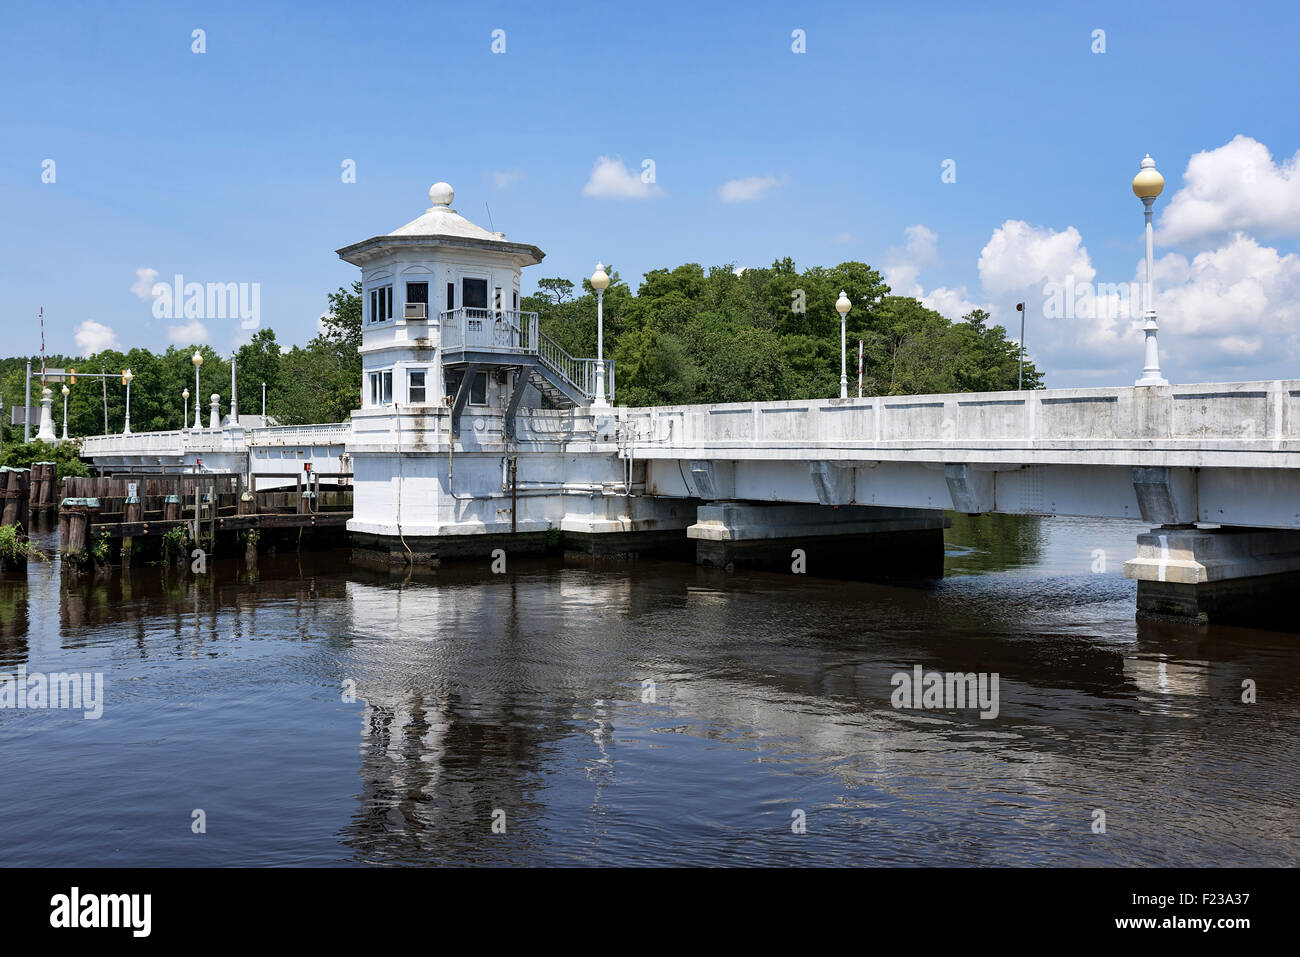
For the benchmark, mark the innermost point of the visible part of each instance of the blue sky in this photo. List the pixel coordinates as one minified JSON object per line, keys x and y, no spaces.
{"x":225,"y":166}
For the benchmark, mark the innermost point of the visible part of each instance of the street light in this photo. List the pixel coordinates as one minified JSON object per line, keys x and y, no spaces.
{"x":842,"y":306}
{"x":185,"y":419}
{"x":197,"y":359}
{"x":65,"y":391}
{"x":1147,"y":185}
{"x":1020,"y":373}
{"x":600,"y":282}
{"x":126,"y":378}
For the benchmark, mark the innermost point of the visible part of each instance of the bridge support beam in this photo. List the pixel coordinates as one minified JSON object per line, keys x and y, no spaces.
{"x":834,"y":542}
{"x":1247,"y":576}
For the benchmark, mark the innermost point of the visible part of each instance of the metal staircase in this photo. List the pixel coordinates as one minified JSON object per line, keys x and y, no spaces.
{"x":507,"y":339}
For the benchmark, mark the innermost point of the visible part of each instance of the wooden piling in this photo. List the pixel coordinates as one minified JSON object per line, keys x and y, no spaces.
{"x":16,"y":493}
{"x":76,"y":516}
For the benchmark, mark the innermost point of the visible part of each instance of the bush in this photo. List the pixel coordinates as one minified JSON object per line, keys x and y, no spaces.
{"x":65,"y":457}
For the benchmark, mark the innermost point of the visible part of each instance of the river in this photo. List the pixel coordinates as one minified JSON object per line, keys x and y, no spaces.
{"x":573,"y":711}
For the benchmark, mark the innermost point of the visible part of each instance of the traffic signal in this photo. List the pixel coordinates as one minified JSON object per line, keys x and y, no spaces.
{"x":123,"y":377}
{"x":74,"y":376}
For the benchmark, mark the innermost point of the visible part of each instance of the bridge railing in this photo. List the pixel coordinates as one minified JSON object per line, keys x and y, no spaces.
{"x":1242,"y":415}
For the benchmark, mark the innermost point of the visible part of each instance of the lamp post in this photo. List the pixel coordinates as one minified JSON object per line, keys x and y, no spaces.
{"x":1020,"y":374}
{"x":1147,"y":185}
{"x":197,"y":359}
{"x":600,"y":282}
{"x":127,"y":377}
{"x":263,"y":405}
{"x":185,"y":418}
{"x":65,"y":391}
{"x":842,"y":306}
{"x":234,"y":391}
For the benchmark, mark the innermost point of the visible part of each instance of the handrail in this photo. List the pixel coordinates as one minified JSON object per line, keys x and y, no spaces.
{"x":512,"y":330}
{"x":578,"y":373}
{"x":475,"y":328}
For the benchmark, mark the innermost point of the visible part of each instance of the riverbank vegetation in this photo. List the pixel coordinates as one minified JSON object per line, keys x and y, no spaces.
{"x":686,"y":335}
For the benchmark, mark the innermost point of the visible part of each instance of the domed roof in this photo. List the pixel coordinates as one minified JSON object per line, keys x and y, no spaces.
{"x":440,"y":224}
{"x":441,"y":220}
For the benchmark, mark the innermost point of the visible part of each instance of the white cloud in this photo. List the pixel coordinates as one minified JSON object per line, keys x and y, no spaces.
{"x":92,"y":337}
{"x":193,"y":332}
{"x":503,"y":178}
{"x":842,"y":238}
{"x":1236,"y":187}
{"x":902,"y":266}
{"x":1019,"y":257}
{"x":144,"y":280}
{"x":749,"y":188}
{"x":1241,"y":300}
{"x":611,"y":179}
{"x":952,"y":303}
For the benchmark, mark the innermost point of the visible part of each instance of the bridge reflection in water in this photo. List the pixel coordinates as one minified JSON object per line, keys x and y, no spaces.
{"x":524,"y":693}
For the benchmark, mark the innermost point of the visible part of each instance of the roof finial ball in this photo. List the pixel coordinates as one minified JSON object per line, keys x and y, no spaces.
{"x":441,"y":194}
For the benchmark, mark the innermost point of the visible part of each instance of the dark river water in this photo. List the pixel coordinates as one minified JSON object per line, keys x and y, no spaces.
{"x":524,"y":700}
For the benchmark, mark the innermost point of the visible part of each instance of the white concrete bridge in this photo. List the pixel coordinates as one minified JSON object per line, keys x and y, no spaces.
{"x":767,"y":477}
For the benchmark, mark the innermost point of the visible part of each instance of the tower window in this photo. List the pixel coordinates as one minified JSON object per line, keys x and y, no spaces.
{"x":415,"y":391}
{"x":473,"y":293}
{"x":381,"y":303}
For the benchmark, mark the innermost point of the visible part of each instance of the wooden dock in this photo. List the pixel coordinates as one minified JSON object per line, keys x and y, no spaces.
{"x":144,"y":516}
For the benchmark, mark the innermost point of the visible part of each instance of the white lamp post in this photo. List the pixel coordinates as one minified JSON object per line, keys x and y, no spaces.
{"x":65,"y":391}
{"x":185,"y":419}
{"x":127,"y":377}
{"x":842,"y":306}
{"x":197,"y":359}
{"x":234,"y":391}
{"x":1147,"y":185}
{"x":600,"y":282}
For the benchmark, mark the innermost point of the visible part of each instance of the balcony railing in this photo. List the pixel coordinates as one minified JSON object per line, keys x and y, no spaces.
{"x":511,"y":331}
{"x":489,"y":330}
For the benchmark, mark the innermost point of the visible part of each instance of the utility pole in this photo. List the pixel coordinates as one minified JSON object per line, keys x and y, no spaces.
{"x":27,"y":406}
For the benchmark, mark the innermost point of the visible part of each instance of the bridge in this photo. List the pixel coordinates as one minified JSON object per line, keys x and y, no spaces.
{"x":1214,"y":469}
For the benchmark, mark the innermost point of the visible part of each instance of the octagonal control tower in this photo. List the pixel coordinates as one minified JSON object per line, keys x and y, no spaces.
{"x":441,"y":321}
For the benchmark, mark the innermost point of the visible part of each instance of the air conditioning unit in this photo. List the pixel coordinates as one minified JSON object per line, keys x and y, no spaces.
{"x":416,"y":310}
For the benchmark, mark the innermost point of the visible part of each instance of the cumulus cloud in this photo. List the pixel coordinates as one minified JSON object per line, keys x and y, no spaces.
{"x":611,"y":179}
{"x":1235,"y":188}
{"x":1019,"y":256}
{"x":193,"y":332}
{"x":749,"y":188}
{"x":92,"y":337}
{"x":1241,"y":300}
{"x":952,"y":303}
{"x":144,"y":280}
{"x":902,"y":266}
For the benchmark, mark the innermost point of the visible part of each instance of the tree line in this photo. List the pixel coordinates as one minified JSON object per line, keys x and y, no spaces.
{"x":725,"y":335}
{"x":687,"y":335}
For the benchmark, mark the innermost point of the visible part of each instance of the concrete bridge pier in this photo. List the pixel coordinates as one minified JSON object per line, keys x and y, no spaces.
{"x":849,"y":541}
{"x":1245,"y":576}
